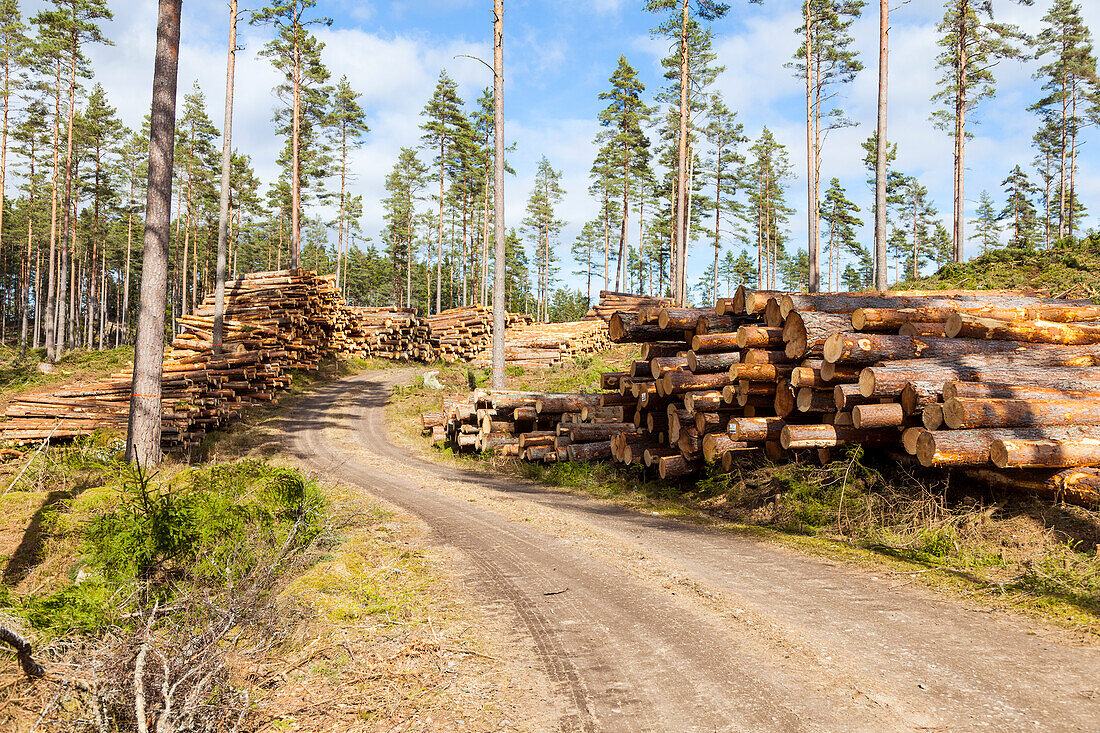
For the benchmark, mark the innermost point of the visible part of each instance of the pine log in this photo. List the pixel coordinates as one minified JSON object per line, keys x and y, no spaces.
{"x":580,"y":452}
{"x":677,"y":465}
{"x":915,"y":396}
{"x":885,"y":415}
{"x":1007,"y":453}
{"x":847,"y":396}
{"x":869,"y":348}
{"x":559,"y":403}
{"x":755,"y":429}
{"x":932,"y":416}
{"x":986,"y":390}
{"x":624,"y":327}
{"x":807,"y":333}
{"x":719,"y":361}
{"x":831,"y":436}
{"x":678,"y":382}
{"x":715,"y":444}
{"x":840,"y":373}
{"x":757,"y":337}
{"x":1031,"y":331}
{"x":918,"y":329}
{"x":909,"y":438}
{"x":764,"y":356}
{"x":714,"y":342}
{"x":815,"y":401}
{"x":971,"y":447}
{"x":703,"y":400}
{"x":786,"y":400}
{"x":966,"y":414}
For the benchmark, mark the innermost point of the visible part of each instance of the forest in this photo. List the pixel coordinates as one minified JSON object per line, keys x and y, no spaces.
{"x":74,"y":176}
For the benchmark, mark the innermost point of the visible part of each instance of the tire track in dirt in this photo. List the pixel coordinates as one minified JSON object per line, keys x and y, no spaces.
{"x":810,"y":647}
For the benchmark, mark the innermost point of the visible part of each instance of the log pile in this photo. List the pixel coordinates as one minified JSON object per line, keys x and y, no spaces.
{"x":386,"y":333}
{"x":541,"y":345}
{"x":532,"y":426}
{"x":612,"y":302}
{"x":1003,"y":384}
{"x":274,"y":322}
{"x":460,"y":334}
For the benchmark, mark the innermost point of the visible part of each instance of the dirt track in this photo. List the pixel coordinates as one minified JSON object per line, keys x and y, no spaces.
{"x":643,"y":623}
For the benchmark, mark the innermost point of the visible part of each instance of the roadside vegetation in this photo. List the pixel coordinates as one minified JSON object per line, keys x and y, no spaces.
{"x":1007,"y":550}
{"x":242,"y":593}
{"x":1070,"y":268}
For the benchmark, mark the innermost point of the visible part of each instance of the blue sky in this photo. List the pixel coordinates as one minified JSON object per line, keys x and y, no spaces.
{"x":558,"y":58}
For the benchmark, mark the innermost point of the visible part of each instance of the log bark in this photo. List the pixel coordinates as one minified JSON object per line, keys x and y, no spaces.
{"x":559,"y":403}
{"x":757,"y":337}
{"x":815,"y":401}
{"x":1031,"y":331}
{"x":1006,"y":453}
{"x":755,"y":429}
{"x":581,"y":452}
{"x":715,"y":444}
{"x":714,"y":342}
{"x":765,"y":356}
{"x":971,"y":447}
{"x":934,"y":330}
{"x":966,"y":414}
{"x":678,"y":382}
{"x":807,"y":333}
{"x":831,"y":436}
{"x":887,"y":415}
{"x":916,"y":396}
{"x":840,"y":373}
{"x":719,"y":361}
{"x":847,"y":396}
{"x":985,"y":390}
{"x":677,"y":465}
{"x":870,"y":348}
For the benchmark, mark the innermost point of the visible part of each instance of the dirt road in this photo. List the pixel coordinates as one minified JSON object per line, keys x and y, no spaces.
{"x":643,"y":623}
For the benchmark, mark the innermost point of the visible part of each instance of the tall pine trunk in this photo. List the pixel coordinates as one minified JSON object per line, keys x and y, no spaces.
{"x":811,"y":156}
{"x":144,"y":429}
{"x":295,"y":161}
{"x":880,"y":149}
{"x":679,"y":292}
{"x":223,"y":203}
{"x":52,"y":289}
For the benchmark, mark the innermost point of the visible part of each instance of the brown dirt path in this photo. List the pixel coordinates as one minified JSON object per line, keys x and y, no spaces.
{"x":645,"y":623}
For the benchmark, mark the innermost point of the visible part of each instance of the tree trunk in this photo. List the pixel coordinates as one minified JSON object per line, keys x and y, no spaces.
{"x":143,"y":433}
{"x":295,"y":159}
{"x":223,"y":204}
{"x":681,"y":170}
{"x":499,"y":254}
{"x":811,"y":159}
{"x":881,"y":147}
{"x":52,"y":289}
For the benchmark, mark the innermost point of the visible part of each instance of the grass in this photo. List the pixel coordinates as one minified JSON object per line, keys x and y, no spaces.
{"x":22,"y":375}
{"x":1070,"y":267}
{"x":1008,"y":550}
{"x":358,"y":614}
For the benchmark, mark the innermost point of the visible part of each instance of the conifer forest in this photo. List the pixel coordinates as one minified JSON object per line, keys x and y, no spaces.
{"x":693,"y":224}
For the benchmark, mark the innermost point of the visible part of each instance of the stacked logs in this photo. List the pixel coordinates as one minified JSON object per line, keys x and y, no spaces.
{"x":532,"y":426}
{"x":274,"y":322}
{"x":541,"y":345}
{"x":386,"y":333}
{"x":612,"y":302}
{"x":460,"y":334}
{"x":989,"y":381}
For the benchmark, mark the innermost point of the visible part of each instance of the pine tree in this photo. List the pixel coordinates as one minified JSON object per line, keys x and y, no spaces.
{"x":627,"y":144}
{"x":915,"y":221}
{"x":584,"y":251}
{"x":1019,"y":209}
{"x":605,"y":188}
{"x":1071,"y":85}
{"x":348,"y":124}
{"x":404,"y":184}
{"x":972,"y":45}
{"x":442,"y":126}
{"x":691,"y":64}
{"x":13,"y":46}
{"x":543,"y":227}
{"x":103,"y":133}
{"x":986,"y":229}
{"x":143,"y":430}
{"x":1046,"y":141}
{"x":296,"y":54}
{"x":826,"y":62}
{"x":32,"y":141}
{"x":767,"y":172}
{"x":839,"y":214}
{"x":725,"y":135}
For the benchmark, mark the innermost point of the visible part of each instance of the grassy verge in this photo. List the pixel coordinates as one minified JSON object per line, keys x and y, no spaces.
{"x":257,"y":592}
{"x":998,"y":549}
